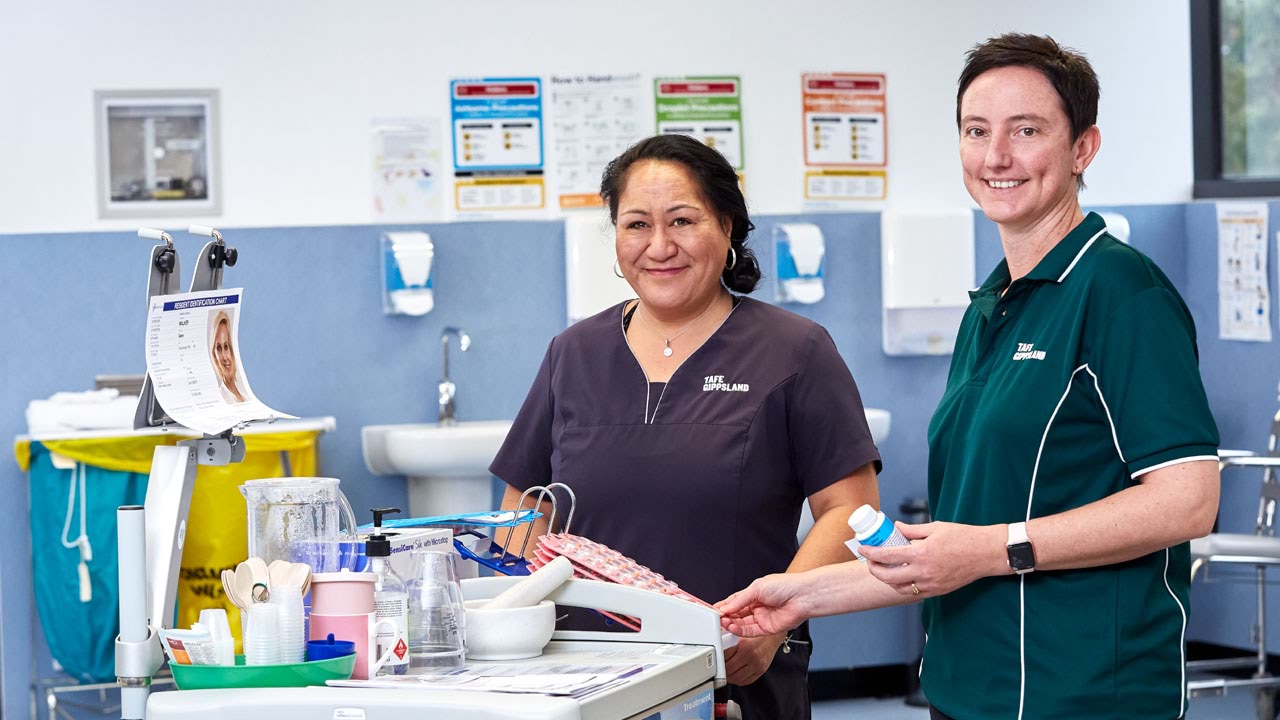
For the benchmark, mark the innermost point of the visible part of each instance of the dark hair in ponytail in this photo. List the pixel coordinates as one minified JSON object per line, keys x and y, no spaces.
{"x":717,"y":182}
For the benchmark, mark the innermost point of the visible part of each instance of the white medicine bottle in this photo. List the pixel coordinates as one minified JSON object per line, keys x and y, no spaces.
{"x":390,"y":600}
{"x":874,"y":528}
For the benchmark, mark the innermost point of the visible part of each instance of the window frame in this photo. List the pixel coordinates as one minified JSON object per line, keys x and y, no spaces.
{"x":1206,"y":112}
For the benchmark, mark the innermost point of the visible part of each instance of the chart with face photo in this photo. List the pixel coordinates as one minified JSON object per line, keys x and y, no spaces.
{"x":193,"y":358}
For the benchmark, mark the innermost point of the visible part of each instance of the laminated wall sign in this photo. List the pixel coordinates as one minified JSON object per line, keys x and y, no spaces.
{"x":497,"y":144}
{"x":593,"y":119}
{"x":708,"y":109}
{"x":845,"y":137}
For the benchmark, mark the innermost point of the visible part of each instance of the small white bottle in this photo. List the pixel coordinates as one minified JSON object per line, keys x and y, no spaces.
{"x":390,"y":600}
{"x":874,"y":528}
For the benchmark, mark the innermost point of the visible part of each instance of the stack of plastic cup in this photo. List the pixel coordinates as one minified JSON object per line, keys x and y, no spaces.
{"x":216,"y":620}
{"x":293,"y":643}
{"x":262,"y":637}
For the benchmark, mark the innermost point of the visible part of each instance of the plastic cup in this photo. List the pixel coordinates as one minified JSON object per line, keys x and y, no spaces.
{"x":262,"y":639}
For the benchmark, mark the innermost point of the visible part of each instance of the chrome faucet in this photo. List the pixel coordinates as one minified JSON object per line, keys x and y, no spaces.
{"x":447,"y":389}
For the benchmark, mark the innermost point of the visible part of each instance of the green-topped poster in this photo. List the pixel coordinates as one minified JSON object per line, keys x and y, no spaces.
{"x":708,"y":109}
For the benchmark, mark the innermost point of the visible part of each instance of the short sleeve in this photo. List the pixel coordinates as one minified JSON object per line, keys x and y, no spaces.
{"x":1145,"y":366}
{"x":524,"y":460}
{"x":825,"y":419}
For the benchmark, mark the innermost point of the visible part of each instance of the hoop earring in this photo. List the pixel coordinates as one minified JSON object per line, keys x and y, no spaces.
{"x":733,"y":258}
{"x":618,"y":271}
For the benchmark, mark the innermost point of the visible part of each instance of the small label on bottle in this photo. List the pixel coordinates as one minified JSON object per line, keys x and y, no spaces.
{"x":395,"y":610}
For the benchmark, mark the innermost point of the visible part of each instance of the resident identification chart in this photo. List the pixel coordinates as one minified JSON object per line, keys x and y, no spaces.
{"x":593,"y":119}
{"x":193,"y":358}
{"x":1244,"y":296}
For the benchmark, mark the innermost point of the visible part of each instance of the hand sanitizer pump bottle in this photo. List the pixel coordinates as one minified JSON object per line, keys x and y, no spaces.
{"x":390,"y":600}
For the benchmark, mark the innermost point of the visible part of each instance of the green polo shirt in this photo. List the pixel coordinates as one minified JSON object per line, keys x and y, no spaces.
{"x":1081,"y":378}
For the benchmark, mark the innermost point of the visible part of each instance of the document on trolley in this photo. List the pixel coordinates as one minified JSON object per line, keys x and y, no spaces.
{"x":193,"y":358}
{"x":567,"y":680}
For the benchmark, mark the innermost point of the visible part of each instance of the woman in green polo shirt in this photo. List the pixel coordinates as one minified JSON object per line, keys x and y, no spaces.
{"x":1072,"y":455}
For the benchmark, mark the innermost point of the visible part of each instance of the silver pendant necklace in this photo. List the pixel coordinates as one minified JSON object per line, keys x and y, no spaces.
{"x":666,"y":350}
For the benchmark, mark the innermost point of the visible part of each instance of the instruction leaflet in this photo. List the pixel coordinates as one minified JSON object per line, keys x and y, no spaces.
{"x":193,"y":358}
{"x":497,"y":144}
{"x":408,"y":169}
{"x":593,"y":119}
{"x":845,"y":137}
{"x":1244,"y":295}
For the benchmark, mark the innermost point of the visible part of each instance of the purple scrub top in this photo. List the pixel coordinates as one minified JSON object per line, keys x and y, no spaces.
{"x":701,"y":478}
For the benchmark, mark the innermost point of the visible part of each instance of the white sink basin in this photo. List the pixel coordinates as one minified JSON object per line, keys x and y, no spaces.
{"x":447,"y":465}
{"x":431,"y":450}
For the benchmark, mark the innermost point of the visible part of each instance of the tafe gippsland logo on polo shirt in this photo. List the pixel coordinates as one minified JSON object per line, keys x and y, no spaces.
{"x":1028,"y":351}
{"x":711,"y":383}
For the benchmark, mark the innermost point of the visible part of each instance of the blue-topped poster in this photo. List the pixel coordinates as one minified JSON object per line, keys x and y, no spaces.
{"x":497,"y":144}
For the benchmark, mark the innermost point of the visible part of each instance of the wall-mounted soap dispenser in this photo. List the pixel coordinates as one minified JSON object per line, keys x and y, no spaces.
{"x":927,"y":268}
{"x":589,"y":255}
{"x":798,"y":250}
{"x":406,"y":273}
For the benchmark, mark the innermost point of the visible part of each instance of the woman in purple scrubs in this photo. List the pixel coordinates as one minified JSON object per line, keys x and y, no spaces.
{"x":693,"y":422}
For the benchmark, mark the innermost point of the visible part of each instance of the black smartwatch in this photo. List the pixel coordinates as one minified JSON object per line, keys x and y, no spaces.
{"x":1022,"y":556}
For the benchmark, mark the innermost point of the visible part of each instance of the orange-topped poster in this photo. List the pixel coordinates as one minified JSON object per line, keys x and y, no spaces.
{"x":844,"y":119}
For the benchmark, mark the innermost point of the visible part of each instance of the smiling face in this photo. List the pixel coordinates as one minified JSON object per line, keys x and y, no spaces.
{"x":671,"y":245}
{"x":224,"y":358}
{"x":1020,"y":162}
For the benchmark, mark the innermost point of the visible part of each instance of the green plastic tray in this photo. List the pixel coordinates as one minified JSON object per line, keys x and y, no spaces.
{"x":212,"y":677}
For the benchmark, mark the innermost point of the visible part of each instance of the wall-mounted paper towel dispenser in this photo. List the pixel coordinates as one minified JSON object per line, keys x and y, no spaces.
{"x":927,"y":268}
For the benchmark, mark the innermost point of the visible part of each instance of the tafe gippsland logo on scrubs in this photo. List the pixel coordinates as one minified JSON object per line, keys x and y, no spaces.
{"x":1027,"y":351}
{"x":712,"y":383}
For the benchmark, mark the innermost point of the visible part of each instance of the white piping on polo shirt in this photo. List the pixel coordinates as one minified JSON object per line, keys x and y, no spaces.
{"x":1179,"y":461}
{"x":1080,"y":254}
{"x":1022,"y":580}
{"x":1182,"y":635}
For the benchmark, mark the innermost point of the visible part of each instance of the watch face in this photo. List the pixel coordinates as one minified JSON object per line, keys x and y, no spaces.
{"x":1022,"y":557}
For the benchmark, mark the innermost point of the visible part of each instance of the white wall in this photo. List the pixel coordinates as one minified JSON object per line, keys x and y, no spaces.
{"x":301,"y":79}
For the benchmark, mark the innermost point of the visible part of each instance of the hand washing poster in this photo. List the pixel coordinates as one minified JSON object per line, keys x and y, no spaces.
{"x":408,"y":169}
{"x":593,"y":119}
{"x":497,"y":144}
{"x":845,"y":138}
{"x":1244,"y":294}
{"x":193,"y":358}
{"x":707,"y":109}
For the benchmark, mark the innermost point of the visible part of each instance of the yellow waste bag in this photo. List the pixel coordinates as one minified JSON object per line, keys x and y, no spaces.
{"x":217,"y":526}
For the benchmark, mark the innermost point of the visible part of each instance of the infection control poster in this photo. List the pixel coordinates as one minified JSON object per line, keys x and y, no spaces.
{"x":593,"y":119}
{"x":845,"y":137}
{"x":1244,"y":295}
{"x":193,"y":358}
{"x":708,"y":109}
{"x":408,"y":169}
{"x":497,"y":144}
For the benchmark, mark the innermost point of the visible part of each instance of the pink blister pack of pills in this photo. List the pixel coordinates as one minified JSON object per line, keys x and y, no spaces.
{"x":594,"y":561}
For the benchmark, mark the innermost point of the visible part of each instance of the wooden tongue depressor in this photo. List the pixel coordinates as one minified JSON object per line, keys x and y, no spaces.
{"x":530,"y":591}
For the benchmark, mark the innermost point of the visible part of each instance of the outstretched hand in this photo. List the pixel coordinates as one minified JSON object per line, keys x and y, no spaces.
{"x":942,"y":557}
{"x":770,"y":605}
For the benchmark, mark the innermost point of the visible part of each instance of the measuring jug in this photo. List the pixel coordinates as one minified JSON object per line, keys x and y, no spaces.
{"x":300,"y":520}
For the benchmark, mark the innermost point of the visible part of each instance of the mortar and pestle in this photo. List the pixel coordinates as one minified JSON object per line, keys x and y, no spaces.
{"x":517,"y":623}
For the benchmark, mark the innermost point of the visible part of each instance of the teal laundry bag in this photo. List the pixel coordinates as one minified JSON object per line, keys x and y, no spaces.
{"x":81,"y":635}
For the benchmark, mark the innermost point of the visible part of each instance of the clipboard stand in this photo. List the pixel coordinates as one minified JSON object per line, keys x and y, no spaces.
{"x":151,"y":536}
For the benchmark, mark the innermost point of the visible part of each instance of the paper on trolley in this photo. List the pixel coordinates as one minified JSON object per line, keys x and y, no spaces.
{"x":193,"y":358}
{"x":567,"y":680}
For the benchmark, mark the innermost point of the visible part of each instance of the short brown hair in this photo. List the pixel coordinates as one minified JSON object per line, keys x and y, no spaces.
{"x":1066,"y":69}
